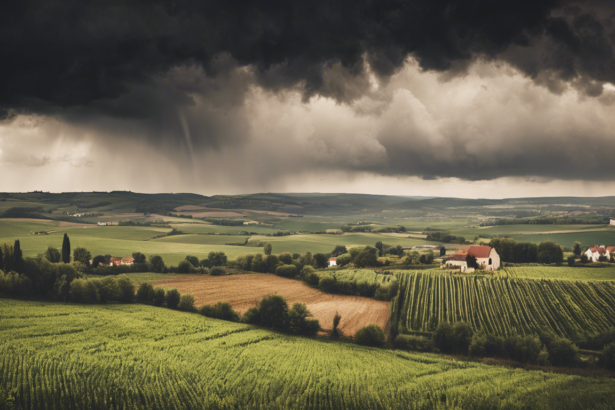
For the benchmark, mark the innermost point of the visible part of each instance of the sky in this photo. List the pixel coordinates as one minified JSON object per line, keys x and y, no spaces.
{"x":475,"y":99}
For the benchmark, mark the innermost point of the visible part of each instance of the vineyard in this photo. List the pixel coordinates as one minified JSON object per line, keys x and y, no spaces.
{"x":55,"y":356}
{"x":503,"y":306}
{"x":561,"y":272}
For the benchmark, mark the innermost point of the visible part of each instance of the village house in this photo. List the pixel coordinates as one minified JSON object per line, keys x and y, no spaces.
{"x":486,"y":258}
{"x":595,"y":252}
{"x":612,"y":222}
{"x":127,"y":260}
{"x":250,"y":223}
{"x":114,"y":261}
{"x":332,"y":262}
{"x":102,"y":224}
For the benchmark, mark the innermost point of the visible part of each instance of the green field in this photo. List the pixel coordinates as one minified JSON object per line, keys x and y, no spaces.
{"x":562,"y":272}
{"x":221,"y":229}
{"x":606,"y":237}
{"x":12,"y":228}
{"x":57,"y":356}
{"x":203,"y":239}
{"x":143,"y":277}
{"x":357,"y":275}
{"x":504,"y":306}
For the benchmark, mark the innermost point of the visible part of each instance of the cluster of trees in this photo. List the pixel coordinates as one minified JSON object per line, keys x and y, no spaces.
{"x":386,"y":249}
{"x":211,"y":265}
{"x":443,"y":236}
{"x":547,"y":221}
{"x":24,"y":212}
{"x":527,"y":252}
{"x":273,"y":312}
{"x":546,"y":349}
{"x":331,"y":284}
{"x":224,"y":222}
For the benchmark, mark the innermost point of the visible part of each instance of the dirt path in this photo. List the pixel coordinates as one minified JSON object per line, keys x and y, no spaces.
{"x":245,"y":291}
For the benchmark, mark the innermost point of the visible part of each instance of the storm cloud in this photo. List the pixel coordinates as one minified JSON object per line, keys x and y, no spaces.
{"x":257,"y":94}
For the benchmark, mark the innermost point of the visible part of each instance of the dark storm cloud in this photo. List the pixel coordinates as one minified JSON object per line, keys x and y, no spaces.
{"x":74,"y":52}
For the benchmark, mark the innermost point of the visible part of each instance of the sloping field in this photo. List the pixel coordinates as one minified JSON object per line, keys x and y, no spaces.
{"x":504,"y":306}
{"x":562,"y":272}
{"x":245,"y":291}
{"x":73,"y":357}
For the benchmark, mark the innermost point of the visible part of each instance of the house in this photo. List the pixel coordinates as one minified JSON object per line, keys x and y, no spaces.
{"x":250,"y":223}
{"x":127,"y":260}
{"x":102,"y":224}
{"x":595,"y":252}
{"x":486,"y":257}
{"x":332,"y":262}
{"x":612,"y":222}
{"x":115,"y":261}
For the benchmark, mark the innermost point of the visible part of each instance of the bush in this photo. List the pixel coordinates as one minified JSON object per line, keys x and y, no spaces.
{"x":312,"y":279}
{"x":186,"y":303}
{"x":607,"y":357}
{"x":523,"y":349}
{"x":286,"y":258}
{"x":15,"y":284}
{"x":298,"y":322}
{"x":327,"y":284}
{"x":562,"y":352}
{"x":185,"y":267}
{"x":108,"y":289}
{"x":287,"y":271}
{"x":571,"y":261}
{"x":83,"y":291}
{"x":159,"y":296}
{"x":172,"y":298}
{"x":217,"y":271}
{"x":251,"y":316}
{"x":221,"y":310}
{"x":145,"y":294}
{"x":371,"y":335}
{"x":387,"y":292}
{"x":273,"y":312}
{"x":194,"y":261}
{"x":411,"y":342}
{"x":455,"y":338}
{"x":127,"y":289}
{"x":156,"y":264}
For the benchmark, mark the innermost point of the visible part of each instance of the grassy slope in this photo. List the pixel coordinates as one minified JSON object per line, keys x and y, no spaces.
{"x":562,"y":272}
{"x":567,"y":239}
{"x":68,"y":357}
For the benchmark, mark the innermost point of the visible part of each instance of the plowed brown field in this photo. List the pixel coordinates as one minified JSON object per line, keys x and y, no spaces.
{"x":245,"y":291}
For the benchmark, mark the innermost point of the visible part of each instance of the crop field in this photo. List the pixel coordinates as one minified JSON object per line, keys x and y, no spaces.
{"x":245,"y":291}
{"x":205,"y":239}
{"x":504,"y":306}
{"x":357,"y":275}
{"x":191,"y":228}
{"x":561,"y":272}
{"x":56,"y":356}
{"x":325,"y":243}
{"x":604,"y":237}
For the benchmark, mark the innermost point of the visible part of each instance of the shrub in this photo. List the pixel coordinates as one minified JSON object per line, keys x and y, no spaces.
{"x":371,"y":335}
{"x":172,"y":298}
{"x":139,"y":258}
{"x":327,"y":284}
{"x":159,"y":297}
{"x":186,"y":303}
{"x":607,"y":357}
{"x":15,"y":284}
{"x":216,"y":259}
{"x":221,"y":310}
{"x":287,"y":271}
{"x":194,"y":261}
{"x":286,"y":258}
{"x":412,"y":342}
{"x":335,"y":333}
{"x":52,"y":255}
{"x":83,"y":291}
{"x":571,"y":261}
{"x":298,"y":322}
{"x":477,"y":345}
{"x":273,"y":312}
{"x":156,"y":264}
{"x":523,"y":349}
{"x":127,"y":289}
{"x":312,"y":279}
{"x":562,"y":352}
{"x":251,"y":316}
{"x":454,"y":338}
{"x":145,"y":293}
{"x":344,"y":260}
{"x":108,"y":289}
{"x":387,"y":292}
{"x":82,"y":255}
{"x":185,"y":267}
{"x":98,"y":260}
{"x":217,"y":271}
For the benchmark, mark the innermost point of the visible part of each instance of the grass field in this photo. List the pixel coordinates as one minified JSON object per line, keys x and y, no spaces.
{"x":220,"y":229}
{"x":55,"y":356}
{"x":143,"y":277}
{"x":504,"y":306}
{"x":245,"y":291}
{"x":606,"y":237}
{"x":204,"y":239}
{"x":561,"y":272}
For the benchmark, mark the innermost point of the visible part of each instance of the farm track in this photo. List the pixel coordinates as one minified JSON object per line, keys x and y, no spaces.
{"x":245,"y":291}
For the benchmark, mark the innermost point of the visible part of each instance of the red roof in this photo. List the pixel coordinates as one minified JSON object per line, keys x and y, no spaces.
{"x":611,"y":249}
{"x":458,"y":257}
{"x":476,"y":251}
{"x":115,"y":259}
{"x":600,"y":249}
{"x":128,"y":259}
{"x":333,"y":259}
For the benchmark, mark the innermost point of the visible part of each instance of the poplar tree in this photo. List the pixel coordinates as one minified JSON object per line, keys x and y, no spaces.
{"x":1,"y":260}
{"x":17,"y":257}
{"x":66,"y":249}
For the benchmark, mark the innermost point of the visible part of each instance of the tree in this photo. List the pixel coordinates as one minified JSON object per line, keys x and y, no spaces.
{"x":1,"y":260}
{"x":298,"y":322}
{"x":442,"y":251}
{"x":273,"y":312}
{"x":339,"y":250}
{"x":285,"y":258}
{"x":99,"y":259}
{"x":471,"y":261}
{"x":367,"y":257}
{"x":66,"y":249}
{"x":607,"y":357}
{"x":216,"y":259}
{"x":577,"y":248}
{"x":562,"y":352}
{"x":379,"y":245}
{"x":335,"y":333}
{"x":145,"y":293}
{"x":82,"y":255}
{"x":156,"y":264}
{"x":186,"y":303}
{"x":127,"y":289}
{"x":172,"y":298}
{"x":159,"y":297}
{"x":320,"y":260}
{"x":194,"y":261}
{"x":550,"y":252}
{"x":268,"y":248}
{"x":571,"y":260}
{"x":139,"y":257}
{"x":185,"y":267}
{"x":52,"y":255}
{"x":371,"y":335}
{"x":18,"y":257}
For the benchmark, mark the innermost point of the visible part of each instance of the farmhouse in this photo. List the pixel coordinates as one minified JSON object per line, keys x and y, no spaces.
{"x":612,"y":222}
{"x":332,"y":262}
{"x":486,"y":257}
{"x":102,"y":224}
{"x":250,"y":223}
{"x":115,"y":261}
{"x":595,"y":252}
{"x":127,"y":260}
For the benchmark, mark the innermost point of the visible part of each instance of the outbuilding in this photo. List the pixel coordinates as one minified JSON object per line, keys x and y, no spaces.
{"x":332,"y":262}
